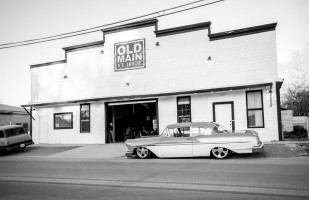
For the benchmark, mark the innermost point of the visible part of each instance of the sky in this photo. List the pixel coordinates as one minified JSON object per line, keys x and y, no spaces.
{"x":22,"y":20}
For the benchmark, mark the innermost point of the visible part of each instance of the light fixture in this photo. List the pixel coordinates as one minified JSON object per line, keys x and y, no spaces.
{"x":270,"y":98}
{"x":101,"y":52}
{"x":157,"y":44}
{"x":209,"y":58}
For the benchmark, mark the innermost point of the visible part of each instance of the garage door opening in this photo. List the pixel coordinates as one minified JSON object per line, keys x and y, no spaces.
{"x":129,"y":120}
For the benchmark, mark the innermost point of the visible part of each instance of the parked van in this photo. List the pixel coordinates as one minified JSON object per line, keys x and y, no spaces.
{"x":14,"y":137}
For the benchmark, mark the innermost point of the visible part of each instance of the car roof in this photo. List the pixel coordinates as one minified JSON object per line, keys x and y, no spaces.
{"x":190,"y":124}
{"x":10,"y":126}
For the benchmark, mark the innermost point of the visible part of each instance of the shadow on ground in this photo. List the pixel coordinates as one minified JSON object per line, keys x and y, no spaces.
{"x":41,"y":151}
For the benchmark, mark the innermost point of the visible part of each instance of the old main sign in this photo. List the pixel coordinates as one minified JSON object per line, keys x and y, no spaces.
{"x":130,"y":55}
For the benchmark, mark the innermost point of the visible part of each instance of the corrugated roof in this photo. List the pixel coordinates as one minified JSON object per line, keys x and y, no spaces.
{"x":11,"y":109}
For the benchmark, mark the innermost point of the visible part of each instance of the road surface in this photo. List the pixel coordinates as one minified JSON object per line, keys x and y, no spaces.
{"x":122,"y":178}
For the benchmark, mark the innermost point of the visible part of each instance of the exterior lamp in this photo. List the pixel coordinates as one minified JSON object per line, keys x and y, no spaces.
{"x":270,"y":98}
{"x":101,"y":52}
{"x":157,"y":44}
{"x":209,"y":58}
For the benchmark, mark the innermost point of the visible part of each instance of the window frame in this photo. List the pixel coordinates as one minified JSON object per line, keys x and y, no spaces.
{"x":178,"y":110}
{"x":80,"y":118}
{"x":255,"y":109}
{"x":70,"y":113}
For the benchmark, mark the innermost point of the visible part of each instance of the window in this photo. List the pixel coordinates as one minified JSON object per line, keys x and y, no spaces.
{"x":255,"y":115}
{"x":177,"y":132}
{"x":85,"y":118}
{"x":1,"y":134}
{"x":183,"y":109}
{"x":14,"y":131}
{"x":63,"y":120}
{"x":26,"y":126}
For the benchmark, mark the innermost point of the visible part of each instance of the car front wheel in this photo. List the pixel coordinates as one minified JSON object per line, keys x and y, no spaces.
{"x":220,"y":152}
{"x":143,"y":152}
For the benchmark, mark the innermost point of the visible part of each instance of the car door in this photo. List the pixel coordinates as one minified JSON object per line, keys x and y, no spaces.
{"x":176,"y":145}
{"x":202,"y":141}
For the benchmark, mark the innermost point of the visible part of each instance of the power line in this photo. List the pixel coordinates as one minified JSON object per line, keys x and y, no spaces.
{"x":88,"y":29}
{"x":91,"y":30}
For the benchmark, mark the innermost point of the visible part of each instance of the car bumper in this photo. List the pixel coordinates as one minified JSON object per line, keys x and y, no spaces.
{"x":16,"y":146}
{"x":259,"y":148}
{"x":129,"y":154}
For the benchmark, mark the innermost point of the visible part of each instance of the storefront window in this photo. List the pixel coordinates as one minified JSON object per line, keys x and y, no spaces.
{"x":184,"y":109}
{"x":255,"y":113}
{"x":85,"y":118}
{"x":63,"y":120}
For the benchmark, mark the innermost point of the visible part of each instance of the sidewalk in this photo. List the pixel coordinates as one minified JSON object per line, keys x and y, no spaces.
{"x":117,"y":150}
{"x":114,"y":150}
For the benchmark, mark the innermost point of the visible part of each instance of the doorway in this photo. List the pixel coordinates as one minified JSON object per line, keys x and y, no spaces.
{"x":43,"y":129}
{"x":139,"y":116}
{"x":223,"y":113}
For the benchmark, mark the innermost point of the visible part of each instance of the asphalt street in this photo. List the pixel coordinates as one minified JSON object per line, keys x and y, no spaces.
{"x":47,"y":177}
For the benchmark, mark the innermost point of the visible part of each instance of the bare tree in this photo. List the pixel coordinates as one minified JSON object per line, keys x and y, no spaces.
{"x":295,"y":90}
{"x":297,"y":99}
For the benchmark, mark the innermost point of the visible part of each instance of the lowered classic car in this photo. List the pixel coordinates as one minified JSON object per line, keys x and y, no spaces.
{"x":194,"y":140}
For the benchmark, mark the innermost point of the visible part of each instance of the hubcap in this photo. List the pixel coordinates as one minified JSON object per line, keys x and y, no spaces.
{"x":142,"y":152}
{"x":220,"y":152}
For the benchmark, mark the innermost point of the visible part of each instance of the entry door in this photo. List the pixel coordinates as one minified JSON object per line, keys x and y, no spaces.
{"x":223,"y":113}
{"x":43,"y":131}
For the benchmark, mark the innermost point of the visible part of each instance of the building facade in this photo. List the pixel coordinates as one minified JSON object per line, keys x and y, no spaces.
{"x":145,"y":78}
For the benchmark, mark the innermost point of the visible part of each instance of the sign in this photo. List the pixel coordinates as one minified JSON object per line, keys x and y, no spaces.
{"x":130,"y":55}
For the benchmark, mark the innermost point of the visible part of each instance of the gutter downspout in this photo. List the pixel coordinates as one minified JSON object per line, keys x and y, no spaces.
{"x":278,"y":86}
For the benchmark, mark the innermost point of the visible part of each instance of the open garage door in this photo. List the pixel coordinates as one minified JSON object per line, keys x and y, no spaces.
{"x":131,"y":119}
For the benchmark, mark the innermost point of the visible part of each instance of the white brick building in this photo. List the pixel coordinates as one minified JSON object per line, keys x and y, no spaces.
{"x":144,"y":77}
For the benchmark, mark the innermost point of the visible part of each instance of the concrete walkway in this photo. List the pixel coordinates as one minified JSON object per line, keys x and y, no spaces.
{"x":114,"y":150}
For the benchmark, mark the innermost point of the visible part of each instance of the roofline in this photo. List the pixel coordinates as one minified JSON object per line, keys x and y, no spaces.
{"x":47,"y":64}
{"x":183,"y":29}
{"x":186,"y":124}
{"x":243,"y":32}
{"x":130,"y":97}
{"x":84,"y":46}
{"x":133,"y":25}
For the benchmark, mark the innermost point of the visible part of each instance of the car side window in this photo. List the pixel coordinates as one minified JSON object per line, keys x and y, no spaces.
{"x":218,"y":129}
{"x":196,"y":131}
{"x":14,"y":131}
{"x":208,"y":131}
{"x":181,"y":132}
{"x":177,"y":132}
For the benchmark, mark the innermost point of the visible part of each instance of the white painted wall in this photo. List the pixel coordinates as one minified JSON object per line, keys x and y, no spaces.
{"x":179,"y":63}
{"x":71,"y":136}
